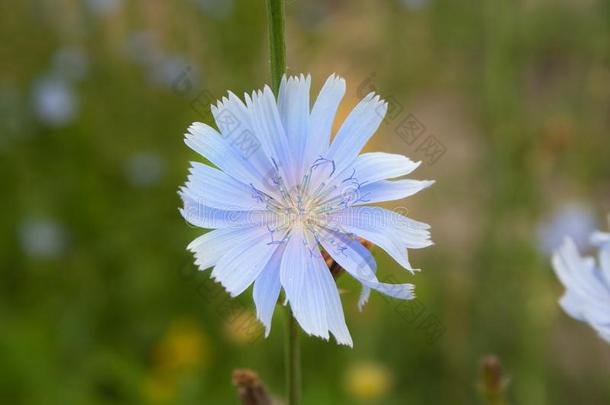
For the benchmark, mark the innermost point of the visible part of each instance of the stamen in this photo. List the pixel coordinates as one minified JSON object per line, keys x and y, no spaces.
{"x":323,"y":195}
{"x":258,"y":195}
{"x":351,"y":177}
{"x":305,"y":183}
{"x":322,"y":161}
{"x":272,"y":233}
{"x":274,"y":206}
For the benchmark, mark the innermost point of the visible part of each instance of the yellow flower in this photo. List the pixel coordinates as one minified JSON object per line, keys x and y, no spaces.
{"x":183,"y":347}
{"x":367,"y":381}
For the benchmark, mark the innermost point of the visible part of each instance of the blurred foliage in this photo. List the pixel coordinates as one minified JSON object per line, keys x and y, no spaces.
{"x":99,"y":300}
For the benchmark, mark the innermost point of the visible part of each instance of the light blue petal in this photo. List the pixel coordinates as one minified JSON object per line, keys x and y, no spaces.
{"x":360,"y":264}
{"x":270,"y":131}
{"x":321,"y":119}
{"x":358,"y":128}
{"x":578,"y":273}
{"x":387,"y":190}
{"x":234,"y":121}
{"x":578,"y":276}
{"x":374,"y":166}
{"x":605,"y":334}
{"x":209,"y":247}
{"x":600,"y":323}
{"x":196,"y":213}
{"x":573,"y":305}
{"x":209,"y":144}
{"x":600,"y":239}
{"x":243,"y":263}
{"x":370,"y":168}
{"x":390,"y":231}
{"x":302,"y":290}
{"x":267,"y":289}
{"x":604,"y":263}
{"x":293,"y":106}
{"x":579,"y":308}
{"x":332,"y":300}
{"x":219,"y":190}
{"x":311,"y":289}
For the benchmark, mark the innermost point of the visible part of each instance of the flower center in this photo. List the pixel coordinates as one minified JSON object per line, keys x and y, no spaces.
{"x":310,"y":202}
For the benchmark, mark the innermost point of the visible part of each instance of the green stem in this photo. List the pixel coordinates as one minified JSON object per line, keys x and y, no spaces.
{"x":276,"y":17}
{"x":277,"y":47}
{"x":293,"y":359}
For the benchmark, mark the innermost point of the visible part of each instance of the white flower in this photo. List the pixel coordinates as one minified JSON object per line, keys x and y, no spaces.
{"x":587,"y":283}
{"x":282,"y":190}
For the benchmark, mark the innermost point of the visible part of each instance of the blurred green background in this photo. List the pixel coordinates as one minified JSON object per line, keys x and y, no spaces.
{"x":99,"y":301}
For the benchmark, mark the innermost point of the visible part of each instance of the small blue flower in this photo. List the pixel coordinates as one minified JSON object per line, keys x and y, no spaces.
{"x":281,"y":190}
{"x":573,"y":219}
{"x":42,"y":238}
{"x":587,"y":283}
{"x":145,"y":168}
{"x":55,"y":103}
